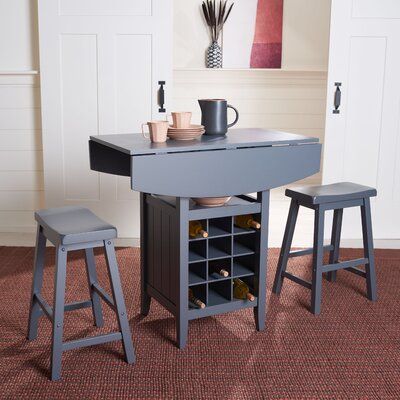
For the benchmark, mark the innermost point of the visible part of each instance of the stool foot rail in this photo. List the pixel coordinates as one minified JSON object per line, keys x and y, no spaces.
{"x":296,"y":279}
{"x":305,"y":252}
{"x":91,"y":341}
{"x":48,"y":311}
{"x":346,"y":265}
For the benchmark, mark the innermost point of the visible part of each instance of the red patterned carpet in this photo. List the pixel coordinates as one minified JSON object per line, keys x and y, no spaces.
{"x":351,"y":351}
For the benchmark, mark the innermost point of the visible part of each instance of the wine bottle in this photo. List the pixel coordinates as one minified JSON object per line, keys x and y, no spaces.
{"x":241,"y":290}
{"x":195,"y":300}
{"x":195,"y":228}
{"x":246,"y":221}
{"x":218,"y":270}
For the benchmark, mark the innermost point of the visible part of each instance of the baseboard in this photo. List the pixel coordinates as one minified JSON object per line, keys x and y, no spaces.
{"x":344,"y":243}
{"x":127,"y":242}
{"x":28,"y":240}
{"x":378,"y":243}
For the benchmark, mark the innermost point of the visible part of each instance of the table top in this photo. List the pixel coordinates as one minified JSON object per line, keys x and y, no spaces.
{"x":135,"y":144}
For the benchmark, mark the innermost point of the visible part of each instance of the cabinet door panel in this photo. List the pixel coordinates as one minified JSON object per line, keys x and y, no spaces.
{"x":100,"y":62}
{"x":362,"y":140}
{"x":376,"y":9}
{"x":105,"y":7}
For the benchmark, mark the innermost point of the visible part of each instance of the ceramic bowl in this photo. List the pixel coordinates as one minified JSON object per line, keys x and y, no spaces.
{"x":211,"y":201}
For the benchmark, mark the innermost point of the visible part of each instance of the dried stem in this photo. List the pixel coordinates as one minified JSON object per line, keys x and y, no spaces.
{"x":216,"y":16}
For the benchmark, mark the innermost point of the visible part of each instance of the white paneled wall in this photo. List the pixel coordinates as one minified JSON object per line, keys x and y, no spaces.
{"x":21,"y":158}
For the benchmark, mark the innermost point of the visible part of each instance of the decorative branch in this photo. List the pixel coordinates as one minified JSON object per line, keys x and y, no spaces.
{"x":216,"y":16}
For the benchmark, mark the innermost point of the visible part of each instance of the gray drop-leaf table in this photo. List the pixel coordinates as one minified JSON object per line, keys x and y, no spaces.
{"x":168,"y":175}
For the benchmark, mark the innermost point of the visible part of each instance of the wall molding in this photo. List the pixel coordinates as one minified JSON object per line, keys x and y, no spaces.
{"x":28,"y":239}
{"x":17,"y":79}
{"x":265,"y":71}
{"x":16,"y":72}
{"x":249,"y":76}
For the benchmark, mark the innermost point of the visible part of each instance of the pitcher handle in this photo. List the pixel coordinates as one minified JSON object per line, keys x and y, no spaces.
{"x":236,"y":118}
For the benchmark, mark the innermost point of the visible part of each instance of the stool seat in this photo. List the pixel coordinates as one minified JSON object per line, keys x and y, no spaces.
{"x":322,"y":194}
{"x":74,"y":224}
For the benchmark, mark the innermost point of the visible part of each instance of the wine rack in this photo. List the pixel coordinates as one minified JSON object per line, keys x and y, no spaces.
{"x":175,"y":262}
{"x":227,"y":247}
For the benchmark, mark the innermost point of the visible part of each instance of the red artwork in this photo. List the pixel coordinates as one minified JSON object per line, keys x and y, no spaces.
{"x":267,"y":45}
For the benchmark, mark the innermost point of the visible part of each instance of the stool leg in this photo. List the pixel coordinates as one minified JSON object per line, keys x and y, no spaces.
{"x":92,"y":278}
{"x":318,"y":256}
{"x":119,"y":302}
{"x":34,"y":309}
{"x":368,"y":249}
{"x":286,"y":244}
{"x":335,"y":241}
{"x":58,"y":312}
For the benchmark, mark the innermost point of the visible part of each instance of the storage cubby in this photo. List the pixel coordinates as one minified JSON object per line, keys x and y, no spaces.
{"x":204,"y":226}
{"x":219,"y":292}
{"x":245,"y":244}
{"x":250,"y":282}
{"x":197,"y":251}
{"x":219,"y":227}
{"x":244,"y":266}
{"x":238,"y":230}
{"x":215,"y":265}
{"x":200,"y":292}
{"x":197,"y":273}
{"x":220,"y":247}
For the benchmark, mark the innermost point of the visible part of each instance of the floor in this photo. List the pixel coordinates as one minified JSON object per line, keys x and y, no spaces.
{"x":351,"y":351}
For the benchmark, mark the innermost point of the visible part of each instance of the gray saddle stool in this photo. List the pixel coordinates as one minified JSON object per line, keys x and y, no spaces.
{"x":322,"y":198}
{"x":76,"y":228}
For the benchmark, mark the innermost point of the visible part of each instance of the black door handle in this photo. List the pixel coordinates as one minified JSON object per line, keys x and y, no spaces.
{"x":161,"y":97}
{"x":338,"y":98}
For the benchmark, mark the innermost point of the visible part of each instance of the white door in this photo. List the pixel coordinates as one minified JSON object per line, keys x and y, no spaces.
{"x":100,"y":64}
{"x":362,"y":142}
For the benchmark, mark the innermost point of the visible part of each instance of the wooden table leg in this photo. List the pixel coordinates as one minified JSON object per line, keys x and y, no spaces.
{"x":182,"y":323}
{"x":145,"y":298}
{"x":260,"y":310}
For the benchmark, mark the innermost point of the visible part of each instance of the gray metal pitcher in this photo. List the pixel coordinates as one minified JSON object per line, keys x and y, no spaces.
{"x":214,"y":116}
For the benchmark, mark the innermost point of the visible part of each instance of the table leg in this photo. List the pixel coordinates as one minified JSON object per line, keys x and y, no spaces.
{"x":182,"y":327}
{"x":260,"y":310}
{"x":182,"y":322}
{"x":145,"y":298}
